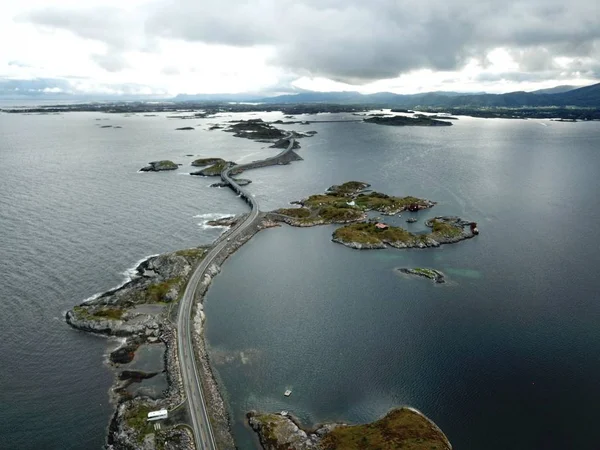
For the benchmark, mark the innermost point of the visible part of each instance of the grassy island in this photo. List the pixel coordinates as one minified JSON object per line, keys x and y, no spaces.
{"x":158,"y":166}
{"x":402,"y":428}
{"x":202,"y":162}
{"x":347,"y":203}
{"x":370,"y":235}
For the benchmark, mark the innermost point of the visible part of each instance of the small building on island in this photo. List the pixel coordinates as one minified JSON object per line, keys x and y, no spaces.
{"x":381,"y":226}
{"x":157,"y":415}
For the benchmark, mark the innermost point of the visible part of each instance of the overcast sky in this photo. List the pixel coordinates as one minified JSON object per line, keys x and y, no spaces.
{"x":168,"y":47}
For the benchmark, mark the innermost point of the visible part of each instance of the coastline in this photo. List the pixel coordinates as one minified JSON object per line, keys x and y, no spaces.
{"x":161,"y":328}
{"x":162,"y":281}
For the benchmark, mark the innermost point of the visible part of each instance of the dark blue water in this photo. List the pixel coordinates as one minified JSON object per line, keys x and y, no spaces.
{"x":74,"y":215}
{"x":505,"y":355}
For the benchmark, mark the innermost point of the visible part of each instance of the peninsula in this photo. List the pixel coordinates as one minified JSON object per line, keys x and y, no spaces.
{"x":402,"y":428}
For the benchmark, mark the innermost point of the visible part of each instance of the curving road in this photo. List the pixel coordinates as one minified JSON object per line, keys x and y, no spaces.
{"x":201,"y":426}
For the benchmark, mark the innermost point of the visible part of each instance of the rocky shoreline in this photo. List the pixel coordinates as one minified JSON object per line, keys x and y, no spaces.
{"x":157,"y":284}
{"x":124,"y":312}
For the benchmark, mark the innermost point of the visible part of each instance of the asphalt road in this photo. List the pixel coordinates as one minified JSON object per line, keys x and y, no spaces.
{"x":201,"y":426}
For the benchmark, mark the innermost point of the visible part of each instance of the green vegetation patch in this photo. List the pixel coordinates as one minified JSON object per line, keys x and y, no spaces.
{"x":445,"y":229}
{"x":368,"y":233}
{"x":318,"y":200}
{"x":294,"y":212}
{"x":157,"y":292}
{"x":215,"y":169}
{"x":429,"y":273}
{"x":377,"y":201}
{"x":363,"y":233}
{"x":399,"y":429}
{"x":207,"y":161}
{"x":137,"y":419}
{"x":193,"y":253}
{"x":339,"y":214}
{"x":98,"y":314}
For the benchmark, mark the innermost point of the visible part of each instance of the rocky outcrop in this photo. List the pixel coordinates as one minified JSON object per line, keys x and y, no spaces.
{"x":278,"y":432}
{"x":157,"y":279}
{"x":431,"y":274}
{"x":184,"y":129}
{"x":239,"y":181}
{"x":224,"y":222}
{"x":158,"y":166}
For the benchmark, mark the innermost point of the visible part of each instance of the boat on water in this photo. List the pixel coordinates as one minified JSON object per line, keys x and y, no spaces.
{"x":411,"y":220}
{"x":287,"y":392}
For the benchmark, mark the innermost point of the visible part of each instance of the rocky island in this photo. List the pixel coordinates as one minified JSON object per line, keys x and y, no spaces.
{"x":346,"y":203}
{"x":402,"y":428}
{"x":370,"y":235}
{"x":158,"y":166}
{"x":349,"y":203}
{"x":403,"y":121}
{"x":432,"y":274}
{"x":255,"y":129}
{"x":203,"y":162}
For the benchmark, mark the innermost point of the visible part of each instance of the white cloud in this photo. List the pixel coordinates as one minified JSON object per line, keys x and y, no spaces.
{"x":176,"y":46}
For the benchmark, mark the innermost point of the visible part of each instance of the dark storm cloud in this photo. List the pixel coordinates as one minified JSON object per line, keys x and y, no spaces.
{"x":357,"y":40}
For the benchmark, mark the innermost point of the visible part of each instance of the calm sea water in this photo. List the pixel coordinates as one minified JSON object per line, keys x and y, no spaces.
{"x":74,"y":215}
{"x":505,"y":355}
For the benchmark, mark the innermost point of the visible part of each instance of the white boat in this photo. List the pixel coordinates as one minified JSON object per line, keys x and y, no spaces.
{"x":287,"y":393}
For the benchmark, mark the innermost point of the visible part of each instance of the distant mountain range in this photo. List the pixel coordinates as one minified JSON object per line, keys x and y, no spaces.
{"x":588,"y":96}
{"x":561,"y":96}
